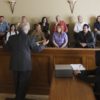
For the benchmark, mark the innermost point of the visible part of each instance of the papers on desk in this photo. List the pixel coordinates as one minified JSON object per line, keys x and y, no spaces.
{"x":79,"y":67}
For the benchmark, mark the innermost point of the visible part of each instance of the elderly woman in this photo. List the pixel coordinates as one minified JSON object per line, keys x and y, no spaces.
{"x":60,"y":38}
{"x":24,"y":24}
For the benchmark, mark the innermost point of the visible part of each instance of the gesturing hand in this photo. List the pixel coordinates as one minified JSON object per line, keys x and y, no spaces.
{"x":45,"y":42}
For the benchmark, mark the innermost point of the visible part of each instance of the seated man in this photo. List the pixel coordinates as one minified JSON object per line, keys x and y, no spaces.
{"x":79,"y":26}
{"x":85,"y":38}
{"x":3,"y":29}
{"x":60,"y":22}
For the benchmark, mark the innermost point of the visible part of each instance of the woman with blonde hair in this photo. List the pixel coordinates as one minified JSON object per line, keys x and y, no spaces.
{"x":24,"y":24}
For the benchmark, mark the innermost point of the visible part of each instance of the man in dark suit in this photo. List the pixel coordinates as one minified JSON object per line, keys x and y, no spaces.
{"x":20,"y":48}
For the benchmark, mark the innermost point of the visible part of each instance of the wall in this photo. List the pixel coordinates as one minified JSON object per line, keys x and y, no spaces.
{"x":35,"y":9}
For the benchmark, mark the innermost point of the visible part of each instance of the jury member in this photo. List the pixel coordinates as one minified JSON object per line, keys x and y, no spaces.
{"x":20,"y":46}
{"x":85,"y":38}
{"x":38,"y":34}
{"x":79,"y":26}
{"x":12,"y":31}
{"x":24,"y":23}
{"x":45,"y":27}
{"x":4,"y":27}
{"x":60,"y":22}
{"x":60,"y":38}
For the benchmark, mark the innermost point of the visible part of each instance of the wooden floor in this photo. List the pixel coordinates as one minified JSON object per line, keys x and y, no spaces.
{"x":31,"y":97}
{"x":70,"y":89}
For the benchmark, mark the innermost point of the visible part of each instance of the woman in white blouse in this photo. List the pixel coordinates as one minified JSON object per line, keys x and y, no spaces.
{"x":11,"y":32}
{"x":24,"y":24}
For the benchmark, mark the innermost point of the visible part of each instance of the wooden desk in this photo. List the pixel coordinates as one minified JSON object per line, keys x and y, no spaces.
{"x":70,"y":89}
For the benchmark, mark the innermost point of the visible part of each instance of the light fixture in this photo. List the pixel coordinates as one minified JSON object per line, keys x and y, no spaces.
{"x":72,"y":4}
{"x":12,"y":4}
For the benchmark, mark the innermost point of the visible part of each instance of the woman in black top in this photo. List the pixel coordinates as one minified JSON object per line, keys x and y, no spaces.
{"x":45,"y":27}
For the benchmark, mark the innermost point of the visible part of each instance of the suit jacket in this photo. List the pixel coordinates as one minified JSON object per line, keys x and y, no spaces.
{"x":20,"y":47}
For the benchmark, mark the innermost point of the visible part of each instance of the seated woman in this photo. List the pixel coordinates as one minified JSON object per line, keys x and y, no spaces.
{"x":60,"y":38}
{"x":11,"y":32}
{"x":97,"y":28}
{"x":38,"y":34}
{"x":24,"y":24}
{"x":45,"y":27}
{"x":85,"y":38}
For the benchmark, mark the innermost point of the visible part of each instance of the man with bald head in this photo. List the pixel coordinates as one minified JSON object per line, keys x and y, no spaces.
{"x":79,"y":25}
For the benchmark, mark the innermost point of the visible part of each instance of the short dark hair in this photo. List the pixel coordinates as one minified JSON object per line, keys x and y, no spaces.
{"x":86,"y":25}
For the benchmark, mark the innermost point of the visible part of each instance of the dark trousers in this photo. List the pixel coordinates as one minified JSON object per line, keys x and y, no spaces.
{"x":21,"y":79}
{"x":87,"y":76}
